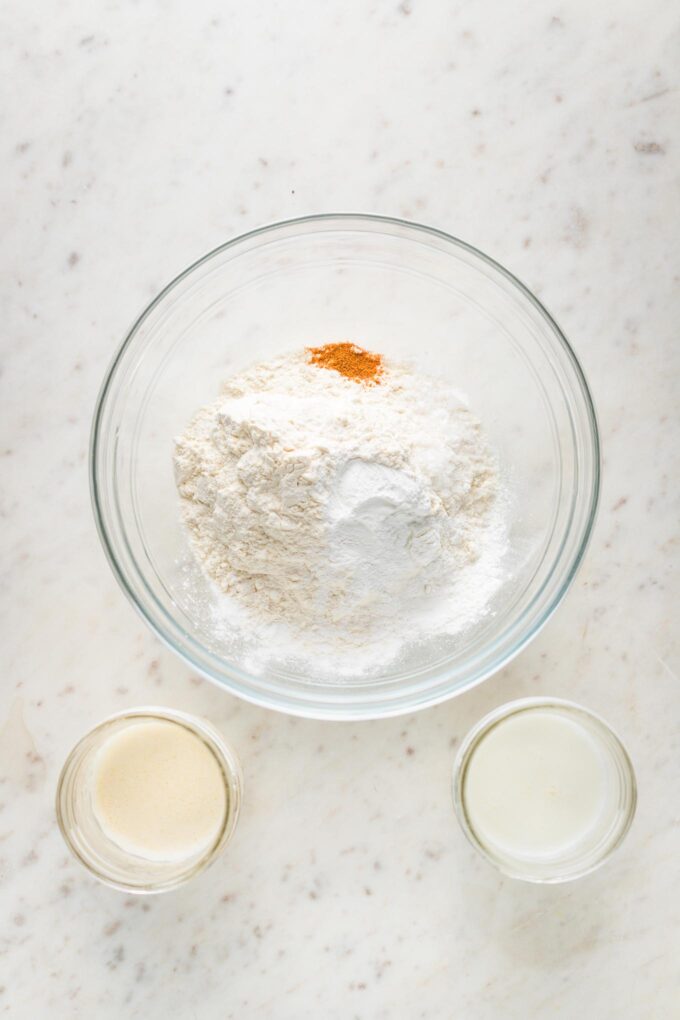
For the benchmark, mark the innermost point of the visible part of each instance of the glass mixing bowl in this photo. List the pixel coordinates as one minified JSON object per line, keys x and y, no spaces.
{"x":412,"y":293}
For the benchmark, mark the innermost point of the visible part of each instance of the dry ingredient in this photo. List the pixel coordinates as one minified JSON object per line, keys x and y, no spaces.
{"x":350,"y":360}
{"x":341,"y":522}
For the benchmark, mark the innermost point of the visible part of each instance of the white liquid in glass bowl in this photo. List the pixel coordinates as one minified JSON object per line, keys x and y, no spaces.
{"x":544,"y":789}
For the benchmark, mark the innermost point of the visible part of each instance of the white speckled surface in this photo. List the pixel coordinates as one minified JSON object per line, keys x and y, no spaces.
{"x":137,"y":137}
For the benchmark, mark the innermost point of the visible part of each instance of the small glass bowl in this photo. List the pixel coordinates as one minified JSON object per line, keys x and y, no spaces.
{"x":95,"y":850}
{"x":587,"y":854}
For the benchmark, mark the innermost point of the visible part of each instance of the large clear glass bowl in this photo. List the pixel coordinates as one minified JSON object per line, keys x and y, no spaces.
{"x":414,"y":294}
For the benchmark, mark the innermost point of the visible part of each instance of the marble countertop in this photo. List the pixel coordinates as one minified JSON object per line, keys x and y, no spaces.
{"x":137,"y":137}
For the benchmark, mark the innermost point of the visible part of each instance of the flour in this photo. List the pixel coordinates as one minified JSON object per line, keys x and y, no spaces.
{"x":339,"y":518}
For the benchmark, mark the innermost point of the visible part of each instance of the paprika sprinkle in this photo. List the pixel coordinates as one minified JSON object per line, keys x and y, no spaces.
{"x":348,"y":359}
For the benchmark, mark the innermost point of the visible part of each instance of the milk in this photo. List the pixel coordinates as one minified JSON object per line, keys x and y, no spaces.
{"x":537,"y":784}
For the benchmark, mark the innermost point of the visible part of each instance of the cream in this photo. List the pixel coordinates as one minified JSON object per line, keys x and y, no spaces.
{"x":159,"y":792}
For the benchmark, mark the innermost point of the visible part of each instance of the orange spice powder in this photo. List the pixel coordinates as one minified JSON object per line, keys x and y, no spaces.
{"x":348,"y":359}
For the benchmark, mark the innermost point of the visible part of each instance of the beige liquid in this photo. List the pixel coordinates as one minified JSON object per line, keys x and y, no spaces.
{"x":159,"y":791}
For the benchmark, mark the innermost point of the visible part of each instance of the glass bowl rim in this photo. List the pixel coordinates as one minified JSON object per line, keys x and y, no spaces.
{"x":440,"y":688}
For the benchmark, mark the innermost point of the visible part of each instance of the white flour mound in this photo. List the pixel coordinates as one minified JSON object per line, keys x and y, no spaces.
{"x":346,"y":519}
